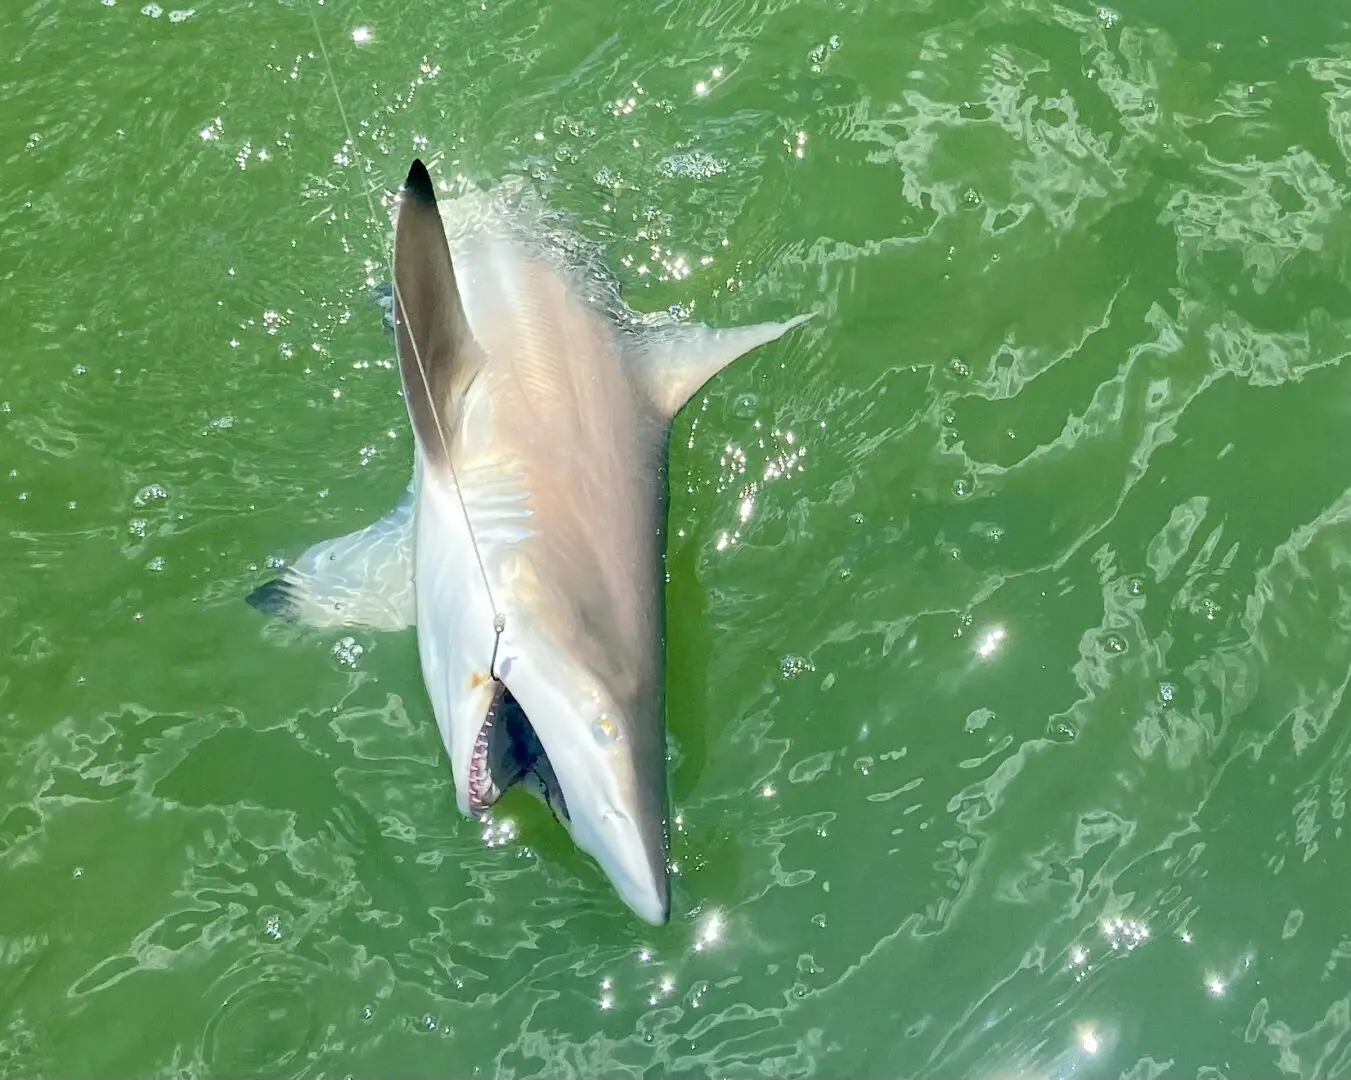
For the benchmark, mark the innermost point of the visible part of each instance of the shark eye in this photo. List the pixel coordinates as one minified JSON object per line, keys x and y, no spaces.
{"x":604,"y":730}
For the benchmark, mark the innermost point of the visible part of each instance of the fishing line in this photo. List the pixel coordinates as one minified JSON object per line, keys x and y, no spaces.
{"x":499,"y":619}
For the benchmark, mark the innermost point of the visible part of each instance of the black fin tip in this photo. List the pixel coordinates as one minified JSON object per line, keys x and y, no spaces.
{"x":273,"y":598}
{"x":419,"y":183}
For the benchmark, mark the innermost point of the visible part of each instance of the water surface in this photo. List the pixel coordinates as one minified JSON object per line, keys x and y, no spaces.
{"x":1009,"y":606}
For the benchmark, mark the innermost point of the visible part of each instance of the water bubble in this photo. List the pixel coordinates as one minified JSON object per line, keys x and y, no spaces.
{"x":961,"y":487}
{"x":1135,"y":587}
{"x":156,"y":564}
{"x":275,"y":562}
{"x":1114,"y":643}
{"x":857,"y":519}
{"x":1167,"y":691}
{"x":972,"y":197}
{"x":864,"y":764}
{"x":834,"y":41}
{"x":348,"y":651}
{"x":1108,"y":17}
{"x":152,"y":10}
{"x":817,"y":57}
{"x":745,"y":406}
{"x":1062,"y":730}
{"x":149,"y":494}
{"x":819,"y":920}
{"x":429,"y":1023}
{"x":692,"y":165}
{"x":272,"y":928}
{"x":791,"y":666}
{"x":79,"y":369}
{"x":223,"y":423}
{"x":958,"y":367}
{"x":608,"y":178}
{"x":137,"y":527}
{"x":1210,"y":609}
{"x":367,"y":1012}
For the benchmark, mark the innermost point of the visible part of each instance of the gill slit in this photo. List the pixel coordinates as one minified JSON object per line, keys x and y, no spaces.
{"x":499,"y":618}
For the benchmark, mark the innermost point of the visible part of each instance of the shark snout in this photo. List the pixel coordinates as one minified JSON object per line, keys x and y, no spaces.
{"x":634,"y":858}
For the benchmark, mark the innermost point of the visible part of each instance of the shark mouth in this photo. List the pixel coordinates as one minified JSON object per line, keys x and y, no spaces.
{"x":507,"y":752}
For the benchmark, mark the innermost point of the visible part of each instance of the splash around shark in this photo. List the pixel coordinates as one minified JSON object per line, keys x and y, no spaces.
{"x":528,"y":548}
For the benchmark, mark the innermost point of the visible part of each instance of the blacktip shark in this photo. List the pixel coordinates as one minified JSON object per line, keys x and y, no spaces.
{"x":528,"y":549}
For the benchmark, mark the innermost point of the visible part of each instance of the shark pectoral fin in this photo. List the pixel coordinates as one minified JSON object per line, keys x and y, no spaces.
{"x":673,"y":362}
{"x":362,"y":579}
{"x":438,"y":356}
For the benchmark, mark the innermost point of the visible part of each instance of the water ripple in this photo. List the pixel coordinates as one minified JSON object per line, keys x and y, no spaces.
{"x":1009,"y":636}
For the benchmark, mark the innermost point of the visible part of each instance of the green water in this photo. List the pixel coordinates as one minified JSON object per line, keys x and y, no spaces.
{"x":1010,"y":601}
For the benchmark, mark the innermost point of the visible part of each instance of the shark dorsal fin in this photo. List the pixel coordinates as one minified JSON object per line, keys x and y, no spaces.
{"x":672,"y":362}
{"x":438,"y":356}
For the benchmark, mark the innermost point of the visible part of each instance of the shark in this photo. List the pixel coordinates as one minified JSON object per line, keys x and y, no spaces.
{"x":528,"y":548}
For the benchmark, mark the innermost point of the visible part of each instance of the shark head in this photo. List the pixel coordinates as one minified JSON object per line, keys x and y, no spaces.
{"x":554,"y":728}
{"x":569,"y":708}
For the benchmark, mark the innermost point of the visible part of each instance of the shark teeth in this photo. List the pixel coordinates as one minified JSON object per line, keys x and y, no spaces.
{"x":482,"y":791}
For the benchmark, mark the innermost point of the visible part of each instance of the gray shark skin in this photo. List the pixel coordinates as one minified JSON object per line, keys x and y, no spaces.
{"x":541,"y":408}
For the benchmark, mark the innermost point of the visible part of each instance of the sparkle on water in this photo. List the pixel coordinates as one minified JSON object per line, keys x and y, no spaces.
{"x":709,"y":932}
{"x":990,"y":643}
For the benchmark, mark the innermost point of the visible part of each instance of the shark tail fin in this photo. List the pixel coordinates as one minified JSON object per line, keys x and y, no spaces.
{"x":673,"y":362}
{"x":362,"y":579}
